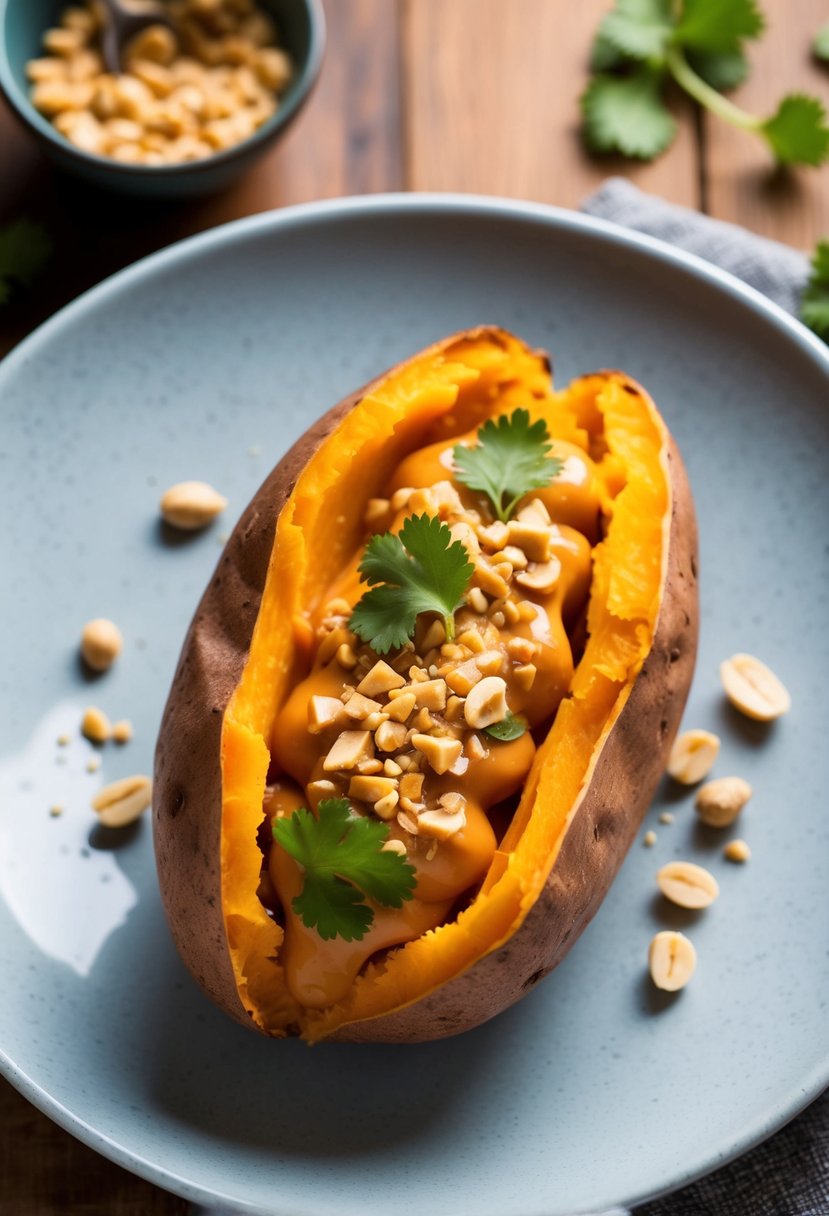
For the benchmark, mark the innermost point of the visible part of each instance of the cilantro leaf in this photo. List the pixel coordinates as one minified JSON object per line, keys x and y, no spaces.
{"x":820,"y":46}
{"x":640,"y":29}
{"x":798,"y":133}
{"x":421,"y":570}
{"x":24,"y":250}
{"x":723,"y":70}
{"x":507,"y":729}
{"x":718,"y":25}
{"x":343,"y":860}
{"x":627,"y":114}
{"x":605,"y":56}
{"x":814,"y":306}
{"x":509,"y":459}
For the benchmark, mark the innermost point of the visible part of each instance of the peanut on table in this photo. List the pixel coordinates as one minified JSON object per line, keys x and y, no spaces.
{"x":186,"y":93}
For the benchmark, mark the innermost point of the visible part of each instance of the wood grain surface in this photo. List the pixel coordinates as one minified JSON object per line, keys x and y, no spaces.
{"x":465,"y":95}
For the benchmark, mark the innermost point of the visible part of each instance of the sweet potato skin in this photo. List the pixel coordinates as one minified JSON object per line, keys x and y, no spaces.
{"x":187,"y":803}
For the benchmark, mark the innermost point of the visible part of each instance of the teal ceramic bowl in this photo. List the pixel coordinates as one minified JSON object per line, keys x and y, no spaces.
{"x":22,"y":23}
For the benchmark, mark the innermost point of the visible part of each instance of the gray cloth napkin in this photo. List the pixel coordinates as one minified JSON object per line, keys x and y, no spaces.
{"x":789,"y":1174}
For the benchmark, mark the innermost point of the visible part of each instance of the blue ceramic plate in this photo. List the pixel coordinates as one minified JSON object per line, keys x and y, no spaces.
{"x":206,"y":361}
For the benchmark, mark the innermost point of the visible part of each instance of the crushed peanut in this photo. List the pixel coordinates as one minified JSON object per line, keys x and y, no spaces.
{"x":737,"y":851}
{"x":719,"y":802}
{"x":122,"y":731}
{"x":101,"y":643}
{"x":191,"y":505}
{"x":95,"y":725}
{"x":486,"y":703}
{"x":692,"y":756}
{"x":122,"y":802}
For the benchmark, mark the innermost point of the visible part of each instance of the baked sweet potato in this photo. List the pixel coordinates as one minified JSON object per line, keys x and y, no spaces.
{"x":595,"y":761}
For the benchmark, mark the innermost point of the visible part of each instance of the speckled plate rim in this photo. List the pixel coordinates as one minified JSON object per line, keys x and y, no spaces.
{"x":400,"y":205}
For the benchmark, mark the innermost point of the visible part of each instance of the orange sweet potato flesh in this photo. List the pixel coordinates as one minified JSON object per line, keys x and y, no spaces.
{"x":593,"y":776}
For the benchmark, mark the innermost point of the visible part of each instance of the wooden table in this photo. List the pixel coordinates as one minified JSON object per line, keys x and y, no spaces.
{"x":469,"y":95}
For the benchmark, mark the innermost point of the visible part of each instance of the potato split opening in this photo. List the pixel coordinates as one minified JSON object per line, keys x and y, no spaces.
{"x":440,"y":394}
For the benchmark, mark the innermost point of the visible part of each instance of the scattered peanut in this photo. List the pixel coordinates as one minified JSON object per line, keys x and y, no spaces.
{"x":687,"y":884}
{"x":122,"y":802}
{"x":753,"y":688}
{"x":692,"y":756}
{"x":649,"y":839}
{"x":719,"y":802}
{"x":95,"y":725}
{"x":122,"y":731}
{"x":672,"y":960}
{"x":101,"y":643}
{"x":737,"y":851}
{"x":394,"y":846}
{"x":190,"y":505}
{"x":56,"y":810}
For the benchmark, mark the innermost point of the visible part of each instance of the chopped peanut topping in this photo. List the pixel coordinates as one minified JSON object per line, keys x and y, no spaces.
{"x":534,"y":513}
{"x":435,"y":636}
{"x":411,"y":786}
{"x":346,"y":656}
{"x":442,"y":823}
{"x":489,"y":580}
{"x":494,"y":536}
{"x":318,"y":790}
{"x":400,"y":498}
{"x":440,"y":752}
{"x":423,"y":720}
{"x":381,"y":678}
{"x":324,"y":712}
{"x":401,"y":707}
{"x":486,"y":703}
{"x":463,"y":532}
{"x":431,"y":693}
{"x":386,"y":807}
{"x":395,"y":846}
{"x":464,"y":677}
{"x":522,"y":649}
{"x":533,"y":539}
{"x":377,"y":512}
{"x":358,"y":706}
{"x":350,"y":748}
{"x":525,"y":676}
{"x":540,"y":577}
{"x":391,"y":769}
{"x":475,"y":748}
{"x":472,"y":640}
{"x":371,"y":789}
{"x":476,"y":599}
{"x":490,"y":662}
{"x":390,"y":736}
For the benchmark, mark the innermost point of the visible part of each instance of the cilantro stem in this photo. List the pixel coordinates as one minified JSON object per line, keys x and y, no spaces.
{"x":686,"y":77}
{"x":449,"y":626}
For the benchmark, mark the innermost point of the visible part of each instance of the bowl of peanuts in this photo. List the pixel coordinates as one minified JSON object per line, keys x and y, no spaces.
{"x":200,"y":94}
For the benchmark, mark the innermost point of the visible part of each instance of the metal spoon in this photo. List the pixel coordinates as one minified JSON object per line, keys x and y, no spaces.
{"x":125,"y":19}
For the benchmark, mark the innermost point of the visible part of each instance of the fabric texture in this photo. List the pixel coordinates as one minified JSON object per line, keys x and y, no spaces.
{"x":788,"y":1175}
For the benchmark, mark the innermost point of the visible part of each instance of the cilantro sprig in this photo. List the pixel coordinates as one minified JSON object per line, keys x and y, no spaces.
{"x":510,"y":458}
{"x":344,"y":862}
{"x":642,"y":44}
{"x":24,"y":250}
{"x":422,"y":569}
{"x":814,"y":306}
